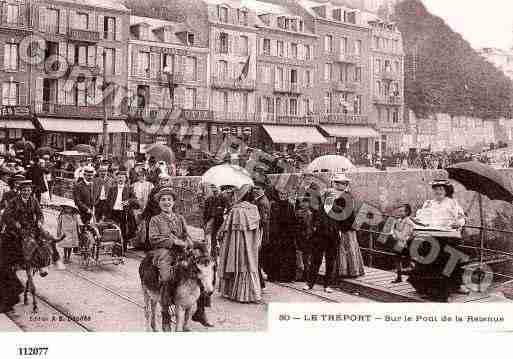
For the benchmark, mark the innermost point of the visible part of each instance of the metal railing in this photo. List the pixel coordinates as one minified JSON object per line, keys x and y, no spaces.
{"x":234,"y":84}
{"x":234,"y":116}
{"x":344,"y":118}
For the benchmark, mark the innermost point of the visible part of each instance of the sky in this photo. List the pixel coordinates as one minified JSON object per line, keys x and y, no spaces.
{"x":483,"y":23}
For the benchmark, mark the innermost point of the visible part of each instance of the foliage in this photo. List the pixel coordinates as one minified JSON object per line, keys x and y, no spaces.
{"x":451,"y":77}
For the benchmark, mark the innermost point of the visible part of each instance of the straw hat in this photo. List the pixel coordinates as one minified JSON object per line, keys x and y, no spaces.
{"x":340,"y":177}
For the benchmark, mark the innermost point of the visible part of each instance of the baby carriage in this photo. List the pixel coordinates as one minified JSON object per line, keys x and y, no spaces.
{"x":101,"y":243}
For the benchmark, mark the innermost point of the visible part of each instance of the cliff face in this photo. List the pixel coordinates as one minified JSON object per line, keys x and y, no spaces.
{"x":450,"y":76}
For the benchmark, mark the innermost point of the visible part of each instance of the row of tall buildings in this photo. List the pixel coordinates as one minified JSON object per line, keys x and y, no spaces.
{"x":276,"y":74}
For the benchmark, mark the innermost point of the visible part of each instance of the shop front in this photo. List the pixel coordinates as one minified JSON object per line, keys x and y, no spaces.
{"x":15,"y":124}
{"x":392,"y":140}
{"x":63,"y":134}
{"x":353,"y":140}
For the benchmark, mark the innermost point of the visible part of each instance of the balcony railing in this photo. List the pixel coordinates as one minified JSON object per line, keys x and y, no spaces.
{"x":223,"y":116}
{"x":388,"y":100}
{"x":84,"y":69}
{"x":49,"y":108}
{"x":84,"y":35}
{"x":388,"y":74}
{"x":176,"y":77}
{"x":49,"y":28}
{"x":18,"y":23}
{"x":344,"y":119}
{"x":292,"y":88}
{"x":295,"y":120}
{"x":233,"y":84}
{"x":148,"y":112}
{"x":345,"y":86}
{"x":347,"y":58}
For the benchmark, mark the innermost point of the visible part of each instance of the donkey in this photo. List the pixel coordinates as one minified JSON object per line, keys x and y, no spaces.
{"x":39,"y":252}
{"x":190,"y":277}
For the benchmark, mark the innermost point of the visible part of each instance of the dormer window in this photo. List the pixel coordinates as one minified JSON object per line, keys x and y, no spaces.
{"x":281,"y":22}
{"x":337,"y":14}
{"x":242,"y":16}
{"x":223,"y":14}
{"x":301,"y":26}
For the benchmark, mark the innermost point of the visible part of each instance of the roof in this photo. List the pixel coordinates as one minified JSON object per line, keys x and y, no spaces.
{"x":104,"y":4}
{"x":155,"y":24}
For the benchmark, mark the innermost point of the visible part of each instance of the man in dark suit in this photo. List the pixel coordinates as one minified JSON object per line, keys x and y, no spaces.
{"x":121,"y":200}
{"x":36,"y":174}
{"x":101,"y":187}
{"x":84,"y":195}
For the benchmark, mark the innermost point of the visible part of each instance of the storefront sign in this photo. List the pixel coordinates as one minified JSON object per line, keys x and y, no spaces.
{"x":197,"y":115}
{"x":172,"y":51}
{"x":15,"y":111}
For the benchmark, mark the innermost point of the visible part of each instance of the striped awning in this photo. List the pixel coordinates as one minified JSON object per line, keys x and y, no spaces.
{"x":350,"y":131}
{"x":82,"y":126}
{"x":294,"y":134}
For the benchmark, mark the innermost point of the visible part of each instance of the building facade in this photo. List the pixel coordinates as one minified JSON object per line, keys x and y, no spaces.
{"x":83,"y":73}
{"x":387,"y":85}
{"x":502,"y":59}
{"x":167,"y":69}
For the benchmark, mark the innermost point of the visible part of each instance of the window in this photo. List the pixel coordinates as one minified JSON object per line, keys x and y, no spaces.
{"x":308,"y":53}
{"x":328,"y":43}
{"x":377,"y":66}
{"x":293,"y":76}
{"x":337,"y":14}
{"x":378,"y":88}
{"x":344,"y":72}
{"x":327,"y":102}
{"x":223,"y":43}
{"x":110,"y":61}
{"x":281,"y":50}
{"x":306,"y":106}
{"x":80,"y":94}
{"x":397,"y":67}
{"x":343,"y":45}
{"x":223,"y":14}
{"x":81,"y":21}
{"x":293,"y":107}
{"x":109,"y":27}
{"x":267,"y":47}
{"x":395,"y":116}
{"x":190,"y":98}
{"x":244,"y":106}
{"x":279,"y":107}
{"x":190,"y":39}
{"x":243,"y":46}
{"x":52,"y":20}
{"x":222,"y":69}
{"x":81,"y":55}
{"x":11,"y":57}
{"x":144,"y":64}
{"x":243,"y":17}
{"x":358,"y":74}
{"x":293,"y":50}
{"x":388,"y":66}
{"x":375,"y":41}
{"x":168,"y":61}
{"x":395,"y":89}
{"x":191,"y":68}
{"x":358,"y":47}
{"x":328,"y":70}
{"x":357,"y":105}
{"x":308,"y":78}
{"x":225,"y":101}
{"x":10,"y":93}
{"x":13,"y":13}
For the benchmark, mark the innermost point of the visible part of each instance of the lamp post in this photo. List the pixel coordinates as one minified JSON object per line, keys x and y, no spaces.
{"x":105,"y":129}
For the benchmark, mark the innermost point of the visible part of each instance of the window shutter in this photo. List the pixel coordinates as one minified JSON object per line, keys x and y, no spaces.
{"x":99,"y":57}
{"x":119,"y":29}
{"x":5,"y":93}
{"x":72,"y":18}
{"x":91,"y":55}
{"x":42,"y":18}
{"x":63,"y":28}
{"x":274,"y":48}
{"x":22,"y":65}
{"x":135,"y":61}
{"x":91,"y":19}
{"x":230,"y":43}
{"x":39,"y":91}
{"x":61,"y":94}
{"x":154,"y":64}
{"x":98,"y":92}
{"x":100,"y":19}
{"x":5,"y":49}
{"x":71,"y":54}
{"x":22,"y":94}
{"x":23,"y":14}
{"x":218,"y":42}
{"x":63,"y":48}
{"x":119,"y":62}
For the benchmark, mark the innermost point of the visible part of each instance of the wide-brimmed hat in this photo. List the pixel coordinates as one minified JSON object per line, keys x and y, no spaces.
{"x":340,"y":177}
{"x":89,"y":170}
{"x":242,"y":192}
{"x":68,"y":204}
{"x":449,"y":188}
{"x":24,"y":183}
{"x":166,"y":191}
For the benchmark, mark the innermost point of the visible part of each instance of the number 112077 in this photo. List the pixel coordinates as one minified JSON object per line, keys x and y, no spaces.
{"x":32,"y":351}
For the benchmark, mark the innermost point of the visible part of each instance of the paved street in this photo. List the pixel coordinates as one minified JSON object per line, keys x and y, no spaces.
{"x":108,"y":298}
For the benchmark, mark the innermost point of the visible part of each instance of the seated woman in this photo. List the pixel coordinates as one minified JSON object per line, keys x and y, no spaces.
{"x":444,"y":214}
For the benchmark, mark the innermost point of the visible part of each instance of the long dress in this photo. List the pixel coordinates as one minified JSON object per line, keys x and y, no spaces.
{"x":238,"y":260}
{"x":67,"y":224}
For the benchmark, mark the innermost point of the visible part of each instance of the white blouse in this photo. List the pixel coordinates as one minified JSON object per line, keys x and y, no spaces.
{"x":442,"y":214}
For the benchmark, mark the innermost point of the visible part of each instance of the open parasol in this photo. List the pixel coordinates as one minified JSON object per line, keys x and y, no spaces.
{"x":330,"y":163}
{"x":227,"y":175}
{"x":162,"y":153}
{"x":484,"y":180}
